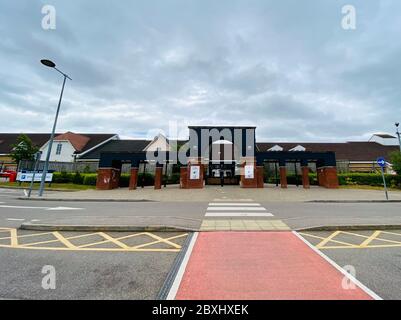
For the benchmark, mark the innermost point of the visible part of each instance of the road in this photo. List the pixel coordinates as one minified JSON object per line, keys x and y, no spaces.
{"x":112,"y":272}
{"x":296,"y":215}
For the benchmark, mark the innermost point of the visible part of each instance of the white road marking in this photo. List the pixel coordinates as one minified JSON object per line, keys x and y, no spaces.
{"x":15,"y":219}
{"x":335,"y":265}
{"x":236,"y":209}
{"x":226,"y":199}
{"x":63,"y":209}
{"x":234,"y":204}
{"x":238,"y":214}
{"x":177,"y":281}
{"x":41,"y":208}
{"x":35,"y":220}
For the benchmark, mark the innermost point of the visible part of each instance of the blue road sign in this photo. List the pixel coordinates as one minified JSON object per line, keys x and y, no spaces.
{"x":381,"y":162}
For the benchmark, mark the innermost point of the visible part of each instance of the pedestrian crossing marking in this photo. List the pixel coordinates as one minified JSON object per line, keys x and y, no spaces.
{"x":236,"y":209}
{"x":243,"y":225}
{"x":234,"y":204}
{"x":238,"y":214}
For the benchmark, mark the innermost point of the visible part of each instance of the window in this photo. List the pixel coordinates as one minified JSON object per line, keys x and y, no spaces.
{"x":59,"y":147}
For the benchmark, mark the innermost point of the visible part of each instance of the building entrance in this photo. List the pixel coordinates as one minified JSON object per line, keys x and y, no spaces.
{"x":222,"y":166}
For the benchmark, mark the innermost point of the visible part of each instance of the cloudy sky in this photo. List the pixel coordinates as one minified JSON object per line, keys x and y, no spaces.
{"x":286,"y":66}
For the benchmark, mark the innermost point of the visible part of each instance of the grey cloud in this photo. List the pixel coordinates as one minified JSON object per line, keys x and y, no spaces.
{"x":285,"y":66}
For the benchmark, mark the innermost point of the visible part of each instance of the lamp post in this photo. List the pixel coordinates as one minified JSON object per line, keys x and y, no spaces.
{"x":51,"y":64}
{"x":397,"y":124}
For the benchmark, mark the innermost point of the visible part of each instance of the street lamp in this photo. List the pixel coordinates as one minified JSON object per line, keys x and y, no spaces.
{"x":397,"y":124}
{"x":51,"y":64}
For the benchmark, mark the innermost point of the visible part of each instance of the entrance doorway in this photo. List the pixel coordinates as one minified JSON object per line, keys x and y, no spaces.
{"x":222,"y":168}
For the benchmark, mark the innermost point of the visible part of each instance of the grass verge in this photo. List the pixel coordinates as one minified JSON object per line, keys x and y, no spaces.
{"x":54,"y":186}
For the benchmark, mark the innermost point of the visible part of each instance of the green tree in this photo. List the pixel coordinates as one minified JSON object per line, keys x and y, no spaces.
{"x":395,"y":159}
{"x":23,"y":149}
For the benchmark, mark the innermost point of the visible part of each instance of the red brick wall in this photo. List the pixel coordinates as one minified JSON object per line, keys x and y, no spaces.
{"x":249,"y":183}
{"x":283,"y":177}
{"x":259,"y":177}
{"x":331,"y":178}
{"x":158,"y":177}
{"x":198,"y":183}
{"x":327,"y":177}
{"x":107,"y":178}
{"x":305,"y":177}
{"x":133,"y":182}
{"x":184,"y":178}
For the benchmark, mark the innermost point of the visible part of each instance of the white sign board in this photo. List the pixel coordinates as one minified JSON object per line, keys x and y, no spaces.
{"x":27,"y":177}
{"x":249,"y":172}
{"x":195,"y":173}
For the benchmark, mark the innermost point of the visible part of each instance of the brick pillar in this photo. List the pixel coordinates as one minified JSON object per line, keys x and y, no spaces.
{"x":133,"y":181}
{"x":321,"y":177}
{"x":305,"y":177}
{"x":184,"y":178}
{"x":249,"y":182}
{"x":283,"y":177}
{"x":331,"y":177}
{"x":259,"y":177}
{"x":103,"y":181}
{"x":115,"y":178}
{"x":158,"y":177}
{"x":107,"y":178}
{"x":195,"y":183}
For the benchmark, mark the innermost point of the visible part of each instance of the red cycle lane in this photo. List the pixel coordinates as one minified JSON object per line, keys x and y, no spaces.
{"x":261,"y":265}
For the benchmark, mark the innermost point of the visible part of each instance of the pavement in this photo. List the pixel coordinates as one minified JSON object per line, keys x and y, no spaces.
{"x":270,"y":193}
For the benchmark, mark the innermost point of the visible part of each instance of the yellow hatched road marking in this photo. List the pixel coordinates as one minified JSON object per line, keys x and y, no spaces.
{"x":59,"y":238}
{"x":56,"y":240}
{"x":328,"y":239}
{"x":393,"y":233}
{"x":28,"y":235}
{"x":111,"y":239}
{"x":92,"y":249}
{"x":162,"y":240}
{"x":14,"y":237}
{"x":366,"y":237}
{"x":106,"y":241}
{"x":322,"y":245}
{"x":64,"y":240}
{"x":322,"y":238}
{"x":370,"y":239}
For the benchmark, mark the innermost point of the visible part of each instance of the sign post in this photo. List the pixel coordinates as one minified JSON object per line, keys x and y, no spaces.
{"x":37,"y":159}
{"x":382,"y":163}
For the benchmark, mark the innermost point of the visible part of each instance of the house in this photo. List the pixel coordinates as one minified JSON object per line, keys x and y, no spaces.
{"x":66,"y":146}
{"x":352,"y":156}
{"x":69,"y":146}
{"x":159,"y":143}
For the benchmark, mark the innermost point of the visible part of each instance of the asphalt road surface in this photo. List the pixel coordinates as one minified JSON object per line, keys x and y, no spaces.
{"x":297,"y":215}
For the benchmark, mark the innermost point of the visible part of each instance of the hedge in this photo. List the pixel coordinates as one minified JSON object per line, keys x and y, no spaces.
{"x":360,"y":179}
{"x":370,"y":179}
